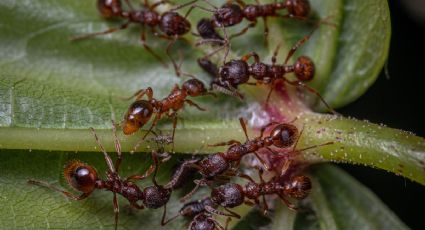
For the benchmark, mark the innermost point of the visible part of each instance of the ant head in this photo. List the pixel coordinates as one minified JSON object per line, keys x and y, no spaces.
{"x":137,"y":115}
{"x":173,"y":24}
{"x":207,"y":30}
{"x":304,"y":68}
{"x":298,"y":187}
{"x":202,"y":222}
{"x":298,"y":8}
{"x":194,"y":87}
{"x":284,"y":135}
{"x":156,"y":196}
{"x":234,"y":72}
{"x":80,"y":176}
{"x":228,"y":15}
{"x":228,"y":195}
{"x":109,"y":8}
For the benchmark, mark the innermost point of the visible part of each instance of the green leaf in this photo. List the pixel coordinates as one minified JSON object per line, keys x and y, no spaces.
{"x":34,"y":207}
{"x":328,"y":206}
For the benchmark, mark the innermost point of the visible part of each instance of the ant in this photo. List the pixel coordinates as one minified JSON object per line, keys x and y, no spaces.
{"x":231,"y":14}
{"x":283,"y":135}
{"x":228,"y":77}
{"x":201,"y":220}
{"x":170,"y":23}
{"x":231,"y":195}
{"x":84,"y":178}
{"x":140,"y":111}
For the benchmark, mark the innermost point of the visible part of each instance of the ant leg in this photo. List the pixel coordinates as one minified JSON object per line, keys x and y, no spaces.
{"x":243,"y":125}
{"x":287,"y":203}
{"x":231,"y":142}
{"x":130,"y":6}
{"x":105,"y":154}
{"x":265,"y":205}
{"x":191,"y":103}
{"x":155,"y":121}
{"x":249,"y":55}
{"x":155,"y":161}
{"x":190,"y":194}
{"x":174,"y":129}
{"x":140,"y":93}
{"x":148,"y":172}
{"x":266,"y":32}
{"x":164,"y":213}
{"x":313,"y":91}
{"x":164,"y":222}
{"x":245,"y":176}
{"x":316,"y":146}
{"x":116,"y":210}
{"x":108,"y":31}
{"x":117,"y":147}
{"x":137,"y":206}
{"x":147,"y":48}
{"x":156,"y":4}
{"x":272,"y":86}
{"x":266,"y":126}
{"x":218,"y":224}
{"x":244,"y":30}
{"x":298,"y":138}
{"x":52,"y":187}
{"x":218,"y":212}
{"x":167,"y":51}
{"x":275,"y":53}
{"x":266,"y":166}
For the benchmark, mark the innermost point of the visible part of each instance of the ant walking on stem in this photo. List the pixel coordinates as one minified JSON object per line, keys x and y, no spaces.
{"x":231,"y":14}
{"x":224,"y":164}
{"x":84,"y":178}
{"x":237,"y":72}
{"x":171,"y":24}
{"x":140,"y":111}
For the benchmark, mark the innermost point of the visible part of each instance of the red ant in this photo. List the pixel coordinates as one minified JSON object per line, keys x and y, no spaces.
{"x":140,"y":111}
{"x":237,"y":72}
{"x":231,"y":14}
{"x":201,"y":220}
{"x":171,"y":24}
{"x":231,"y":195}
{"x":83,"y":177}
{"x":219,"y":164}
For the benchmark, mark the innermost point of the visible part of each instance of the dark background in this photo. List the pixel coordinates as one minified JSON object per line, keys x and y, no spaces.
{"x":397,"y":101}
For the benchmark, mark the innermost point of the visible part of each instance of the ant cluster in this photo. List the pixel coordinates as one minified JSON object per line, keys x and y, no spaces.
{"x":215,"y":170}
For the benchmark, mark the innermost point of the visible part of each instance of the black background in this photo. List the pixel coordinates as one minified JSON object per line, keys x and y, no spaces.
{"x":398,"y":102}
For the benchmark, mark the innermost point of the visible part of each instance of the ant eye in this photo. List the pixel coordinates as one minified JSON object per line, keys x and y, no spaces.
{"x":80,"y":176}
{"x":284,"y":135}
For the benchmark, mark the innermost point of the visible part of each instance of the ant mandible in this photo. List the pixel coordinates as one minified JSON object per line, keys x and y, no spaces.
{"x":231,"y":14}
{"x":140,"y":111}
{"x":170,"y":23}
{"x":283,"y":135}
{"x":228,"y":77}
{"x":84,"y":178}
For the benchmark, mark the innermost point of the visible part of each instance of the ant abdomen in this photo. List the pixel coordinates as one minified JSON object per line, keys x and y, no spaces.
{"x":156,"y":196}
{"x":81,"y":176}
{"x":298,"y":8}
{"x":213,"y":165}
{"x":298,"y":187}
{"x":173,"y":24}
{"x":228,"y":195}
{"x":137,"y":115}
{"x":304,"y":68}
{"x":109,"y":8}
{"x":235,"y":72}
